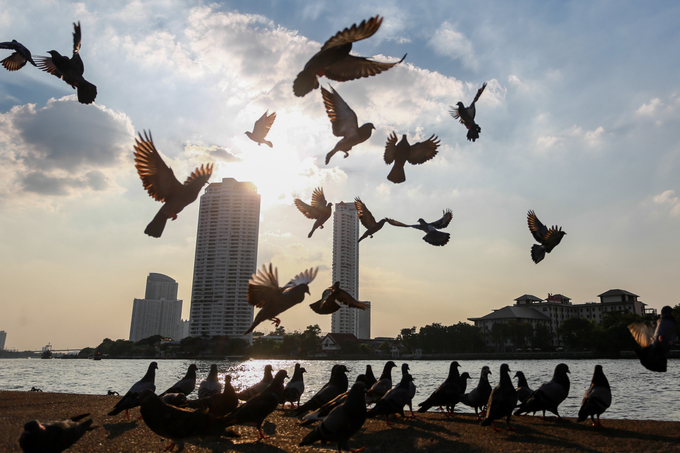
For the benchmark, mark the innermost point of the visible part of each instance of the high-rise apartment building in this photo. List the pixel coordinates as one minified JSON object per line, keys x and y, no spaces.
{"x":159,"y":313}
{"x":226,"y":257}
{"x":3,"y":337}
{"x":346,"y":270}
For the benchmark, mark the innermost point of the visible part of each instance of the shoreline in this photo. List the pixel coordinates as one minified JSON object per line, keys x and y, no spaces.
{"x":430,"y":432}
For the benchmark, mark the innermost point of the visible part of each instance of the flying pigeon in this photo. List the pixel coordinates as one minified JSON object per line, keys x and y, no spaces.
{"x":447,"y":394}
{"x":342,"y":422}
{"x":179,"y":424}
{"x":256,"y":409}
{"x":549,"y":238}
{"x":335,"y":62}
{"x":384,"y":384}
{"x":323,"y":411}
{"x":261,"y":129}
{"x":18,"y":58}
{"x":211,"y":385}
{"x":295,"y":387}
{"x":394,"y":400}
{"x":479,"y":396}
{"x":70,"y":70}
{"x":502,"y":400}
{"x":597,"y":399}
{"x":132,"y":397}
{"x":433,"y":236}
{"x":655,"y":339}
{"x":264,"y":293}
{"x":258,"y":388}
{"x":331,"y":296}
{"x":335,"y":386}
{"x":367,"y":219}
{"x":159,"y":180}
{"x":523,"y":390}
{"x":345,"y":124}
{"x":185,"y":385}
{"x":319,"y":209}
{"x":220,"y":404}
{"x":400,"y":153}
{"x":53,"y":437}
{"x":467,"y":116}
{"x":549,"y":395}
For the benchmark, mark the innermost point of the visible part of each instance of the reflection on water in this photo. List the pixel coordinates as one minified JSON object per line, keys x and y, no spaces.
{"x":636,"y":392}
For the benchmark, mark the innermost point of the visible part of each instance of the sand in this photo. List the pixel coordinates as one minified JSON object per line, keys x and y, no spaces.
{"x":430,"y":432}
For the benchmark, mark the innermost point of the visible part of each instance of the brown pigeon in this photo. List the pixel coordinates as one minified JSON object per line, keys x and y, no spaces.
{"x":345,"y":123}
{"x":467,"y":116}
{"x":319,"y":210}
{"x":261,"y":129}
{"x":367,"y":219}
{"x":160,"y":182}
{"x":264,"y":293}
{"x":70,"y":70}
{"x":19,"y":58}
{"x":401,"y":152}
{"x":433,"y":236}
{"x":53,"y":437}
{"x":549,"y":238}
{"x":335,"y":62}
{"x":331,"y":296}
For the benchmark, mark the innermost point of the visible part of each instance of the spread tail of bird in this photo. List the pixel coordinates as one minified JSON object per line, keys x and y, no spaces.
{"x":87,"y":92}
{"x":537,"y":253}
{"x":304,"y":83}
{"x":397,"y":174}
{"x":652,"y":358}
{"x":268,"y":143}
{"x":157,"y":225}
{"x":473,"y":132}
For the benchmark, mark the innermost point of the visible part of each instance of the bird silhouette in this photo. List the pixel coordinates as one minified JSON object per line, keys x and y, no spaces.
{"x":549,"y":395}
{"x":478,"y":397}
{"x":331,"y":299}
{"x":467,"y":115}
{"x":337,"y":385}
{"x":433,"y":236}
{"x":656,"y":340}
{"x":384,"y":384}
{"x":335,"y":62}
{"x":70,"y":70}
{"x":220,"y":404}
{"x":502,"y":400}
{"x":548,"y":238}
{"x":367,"y":219}
{"x":256,"y":389}
{"x":261,"y":129}
{"x":18,"y":58}
{"x":394,"y":400}
{"x":345,"y":123}
{"x":185,"y":385}
{"x":597,"y":398}
{"x":448,"y":393}
{"x":264,"y":293}
{"x":160,"y":182}
{"x":523,"y":389}
{"x":402,"y":152}
{"x":319,"y":210}
{"x":133,"y":397}
{"x":295,"y":387}
{"x":211,"y":385}
{"x":53,"y":437}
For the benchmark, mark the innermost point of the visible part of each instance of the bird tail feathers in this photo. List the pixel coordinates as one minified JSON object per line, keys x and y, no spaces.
{"x":268,"y":143}
{"x":157,"y":225}
{"x":397,"y":174}
{"x":304,"y":83}
{"x":473,"y":132}
{"x":537,"y":253}
{"x":87,"y":92}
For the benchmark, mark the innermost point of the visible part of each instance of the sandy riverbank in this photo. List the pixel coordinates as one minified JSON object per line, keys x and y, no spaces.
{"x":430,"y":433}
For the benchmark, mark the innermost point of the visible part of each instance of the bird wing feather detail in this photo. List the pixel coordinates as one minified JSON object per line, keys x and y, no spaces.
{"x":305,"y":277}
{"x":444,"y":221}
{"x":158,"y":179}
{"x":365,"y":216}
{"x":354,"y":33}
{"x":423,"y":151}
{"x":264,"y":124}
{"x":643,"y":332}
{"x":263,"y":286}
{"x":391,"y":148}
{"x":343,"y":118}
{"x":351,"y":67}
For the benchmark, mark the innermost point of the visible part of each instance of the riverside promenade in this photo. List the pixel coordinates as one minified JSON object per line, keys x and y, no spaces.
{"x":430,"y":432}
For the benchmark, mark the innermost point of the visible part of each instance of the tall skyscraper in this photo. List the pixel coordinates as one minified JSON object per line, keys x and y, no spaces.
{"x":3,"y":337}
{"x":159,"y":313}
{"x":346,"y":270}
{"x":226,"y":257}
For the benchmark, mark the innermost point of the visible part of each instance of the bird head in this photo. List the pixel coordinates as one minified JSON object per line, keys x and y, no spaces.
{"x":460,"y":105}
{"x":54,"y":53}
{"x":34,"y":426}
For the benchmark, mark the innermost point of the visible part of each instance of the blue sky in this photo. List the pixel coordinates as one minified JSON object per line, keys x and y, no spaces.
{"x":579,"y":123}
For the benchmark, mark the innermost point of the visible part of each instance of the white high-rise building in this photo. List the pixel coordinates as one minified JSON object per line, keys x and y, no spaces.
{"x":159,"y":313}
{"x":226,"y":257}
{"x":3,"y":338}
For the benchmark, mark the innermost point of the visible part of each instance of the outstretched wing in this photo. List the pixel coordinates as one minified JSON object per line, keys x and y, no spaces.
{"x":343,"y":118}
{"x":351,"y":67}
{"x":479,"y":93}
{"x":305,"y":277}
{"x":264,"y":124}
{"x":344,"y":297}
{"x":199,"y":176}
{"x":365,"y":216}
{"x":76,"y":38}
{"x":354,"y":33}
{"x":398,"y":223}
{"x":318,"y":199}
{"x":538,"y":230}
{"x":391,"y":148}
{"x":158,"y":179}
{"x":444,"y":221}
{"x":263,"y":286}
{"x":423,"y":151}
{"x":643,"y":332}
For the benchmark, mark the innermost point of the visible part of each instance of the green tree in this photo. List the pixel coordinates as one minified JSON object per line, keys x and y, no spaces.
{"x":542,"y":338}
{"x":576,"y":333}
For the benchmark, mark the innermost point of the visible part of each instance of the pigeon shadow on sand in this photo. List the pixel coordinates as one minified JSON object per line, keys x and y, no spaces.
{"x":116,"y":429}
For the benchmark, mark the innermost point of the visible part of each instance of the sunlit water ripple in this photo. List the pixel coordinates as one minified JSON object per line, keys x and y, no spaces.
{"x":637,"y":393}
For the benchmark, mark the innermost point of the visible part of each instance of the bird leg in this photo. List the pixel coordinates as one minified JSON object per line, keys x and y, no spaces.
{"x":355,"y":450}
{"x":412,"y":415}
{"x":170,"y":447}
{"x":509,"y":428}
{"x":346,"y":154}
{"x":276,"y":321}
{"x":387,"y":420}
{"x":260,"y":434}
{"x":494,"y":427}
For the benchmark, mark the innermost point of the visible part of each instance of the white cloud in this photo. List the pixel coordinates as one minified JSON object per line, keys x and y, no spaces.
{"x":649,"y":109}
{"x":668,"y":198}
{"x":449,"y":42}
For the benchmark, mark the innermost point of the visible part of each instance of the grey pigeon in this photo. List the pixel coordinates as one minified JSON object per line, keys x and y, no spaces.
{"x":342,"y":422}
{"x":384,"y":384}
{"x":367,"y":220}
{"x":220,"y":404}
{"x":319,"y":210}
{"x":549,"y":395}
{"x":479,"y":396}
{"x":295,"y":387}
{"x":261,"y":129}
{"x":345,"y":123}
{"x":548,"y":238}
{"x":211,"y":385}
{"x":523,"y":389}
{"x":597,"y":398}
{"x":433,"y":236}
{"x":70,"y":69}
{"x":448,"y":393}
{"x":411,"y":388}
{"x":256,"y":389}
{"x":466,"y":115}
{"x":132,"y":397}
{"x":394,"y":401}
{"x":402,"y":152}
{"x":335,"y":62}
{"x":18,"y":58}
{"x":185,"y":385}
{"x":331,"y":299}
{"x":326,"y":409}
{"x":264,"y":293}
{"x":656,"y":340}
{"x":53,"y":437}
{"x":337,"y":385}
{"x":160,"y":182}
{"x":502,"y":400}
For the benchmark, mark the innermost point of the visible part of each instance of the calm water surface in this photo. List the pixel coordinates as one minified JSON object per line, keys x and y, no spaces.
{"x":636,"y":392}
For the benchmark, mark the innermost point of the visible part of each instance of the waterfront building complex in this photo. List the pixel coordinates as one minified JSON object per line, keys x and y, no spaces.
{"x":3,"y":338}
{"x":159,"y":313}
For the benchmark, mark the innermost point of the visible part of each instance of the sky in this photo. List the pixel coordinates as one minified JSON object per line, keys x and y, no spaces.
{"x":580,"y":123}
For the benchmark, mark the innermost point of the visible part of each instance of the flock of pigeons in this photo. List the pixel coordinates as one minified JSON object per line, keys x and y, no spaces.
{"x":339,"y":410}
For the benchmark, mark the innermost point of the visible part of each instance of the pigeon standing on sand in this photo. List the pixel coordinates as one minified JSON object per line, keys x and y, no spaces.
{"x":402,"y":152}
{"x":336,"y":385}
{"x":502,"y":400}
{"x":295,"y":387}
{"x":335,"y":62}
{"x":53,"y":437}
{"x":394,"y":401}
{"x":467,"y":115}
{"x":447,"y":394}
{"x":655,"y":339}
{"x":211,"y":385}
{"x":132,"y":397}
{"x":549,"y":395}
{"x":261,"y":129}
{"x":160,"y":182}
{"x":220,"y":404}
{"x":479,"y":396}
{"x":185,"y":385}
{"x":597,"y":398}
{"x":331,"y":296}
{"x":18,"y":58}
{"x":367,"y":219}
{"x":523,"y":389}
{"x":70,"y":69}
{"x":411,"y":388}
{"x":433,"y":236}
{"x":256,"y":389}
{"x":384,"y":384}
{"x":324,"y":410}
{"x":345,"y":123}
{"x":264,"y":293}
{"x":319,"y":210}
{"x":548,"y":238}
